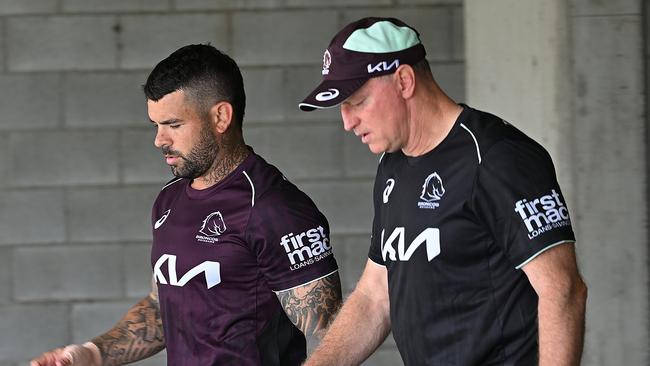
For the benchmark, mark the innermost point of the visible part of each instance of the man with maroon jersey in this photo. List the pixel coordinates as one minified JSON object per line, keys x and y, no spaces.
{"x":243,"y":271}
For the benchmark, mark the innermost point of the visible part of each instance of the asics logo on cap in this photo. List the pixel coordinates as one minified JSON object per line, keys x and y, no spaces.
{"x":364,"y":49}
{"x":327,"y":95}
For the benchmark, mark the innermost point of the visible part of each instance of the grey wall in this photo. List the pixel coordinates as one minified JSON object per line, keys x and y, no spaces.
{"x":572,"y":75}
{"x":79,"y":170}
{"x":611,"y":180}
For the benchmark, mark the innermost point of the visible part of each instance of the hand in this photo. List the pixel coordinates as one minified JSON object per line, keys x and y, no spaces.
{"x":72,"y":355}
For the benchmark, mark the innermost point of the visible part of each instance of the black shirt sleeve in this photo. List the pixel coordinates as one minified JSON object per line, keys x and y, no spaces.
{"x":516,"y":194}
{"x":374,"y":253}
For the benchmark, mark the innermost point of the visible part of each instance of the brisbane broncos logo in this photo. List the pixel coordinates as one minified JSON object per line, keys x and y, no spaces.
{"x":432,"y":189}
{"x":213,"y":225}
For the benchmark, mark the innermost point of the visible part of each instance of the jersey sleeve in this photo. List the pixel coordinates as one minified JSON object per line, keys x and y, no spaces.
{"x":517,"y":195}
{"x":374,"y":254}
{"x":290,"y":238}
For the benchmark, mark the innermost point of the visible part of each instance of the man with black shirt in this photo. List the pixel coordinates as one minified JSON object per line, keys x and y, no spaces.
{"x":472,"y":257}
{"x":242,"y":264}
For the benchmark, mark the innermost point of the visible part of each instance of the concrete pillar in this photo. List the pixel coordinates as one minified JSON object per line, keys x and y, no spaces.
{"x":518,"y":67}
{"x":572,"y":78}
{"x":611,"y":181}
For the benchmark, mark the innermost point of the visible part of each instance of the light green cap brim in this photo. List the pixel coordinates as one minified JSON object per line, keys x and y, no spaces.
{"x":381,"y":37}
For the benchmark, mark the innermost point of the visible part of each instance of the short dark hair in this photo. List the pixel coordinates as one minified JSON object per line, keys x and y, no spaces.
{"x":423,"y":69}
{"x":205,"y":74}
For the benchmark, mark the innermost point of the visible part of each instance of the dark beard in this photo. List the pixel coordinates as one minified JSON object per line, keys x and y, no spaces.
{"x":199,"y":160}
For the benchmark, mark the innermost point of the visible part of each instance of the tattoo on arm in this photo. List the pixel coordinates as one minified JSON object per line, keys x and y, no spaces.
{"x":312,"y":307}
{"x":138,"y":335}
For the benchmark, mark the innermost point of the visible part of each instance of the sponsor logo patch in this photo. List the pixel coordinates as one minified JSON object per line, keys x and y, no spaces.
{"x":211,"y":271}
{"x":430,"y":237}
{"x":212,"y":226}
{"x":432,"y":191}
{"x":543,"y":214}
{"x":162,"y":219}
{"x":327,"y":95}
{"x":383,"y":66}
{"x":327,"y":61}
{"x":306,"y":248}
{"x":390,"y":183}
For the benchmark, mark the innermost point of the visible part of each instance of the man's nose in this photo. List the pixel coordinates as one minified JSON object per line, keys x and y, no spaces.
{"x":349,"y":120}
{"x":161,"y":138}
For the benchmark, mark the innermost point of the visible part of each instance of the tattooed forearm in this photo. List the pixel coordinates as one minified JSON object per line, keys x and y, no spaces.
{"x":138,"y":335}
{"x":313,"y":306}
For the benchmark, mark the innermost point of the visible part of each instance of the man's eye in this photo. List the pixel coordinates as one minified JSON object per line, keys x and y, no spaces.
{"x":174,"y":126}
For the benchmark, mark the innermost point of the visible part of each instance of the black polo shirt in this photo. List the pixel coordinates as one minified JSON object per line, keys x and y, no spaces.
{"x":453,"y":228}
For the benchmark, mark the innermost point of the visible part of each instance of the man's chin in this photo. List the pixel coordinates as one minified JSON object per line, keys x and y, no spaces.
{"x":176,"y":172}
{"x":184,"y":174}
{"x":376,"y":149}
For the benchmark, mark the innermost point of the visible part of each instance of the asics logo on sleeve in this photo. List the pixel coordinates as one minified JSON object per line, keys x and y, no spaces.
{"x":162,"y":219}
{"x":389,"y":188}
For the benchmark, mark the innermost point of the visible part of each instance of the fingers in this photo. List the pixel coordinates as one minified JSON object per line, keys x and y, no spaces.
{"x":72,"y":355}
{"x":79,"y":355}
{"x":45,"y":359}
{"x":56,"y":357}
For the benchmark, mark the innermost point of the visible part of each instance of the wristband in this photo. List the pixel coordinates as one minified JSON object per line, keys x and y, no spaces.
{"x":97,"y":355}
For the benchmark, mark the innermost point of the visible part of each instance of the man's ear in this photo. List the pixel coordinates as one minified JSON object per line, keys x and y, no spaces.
{"x":405,"y":78}
{"x":221,"y":115}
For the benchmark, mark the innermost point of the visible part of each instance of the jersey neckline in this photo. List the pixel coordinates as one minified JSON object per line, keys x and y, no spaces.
{"x":193,"y":193}
{"x":414,"y":160}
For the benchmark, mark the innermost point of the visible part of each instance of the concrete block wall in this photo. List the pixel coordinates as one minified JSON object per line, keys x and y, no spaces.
{"x":611,"y":148}
{"x":572,"y":75}
{"x":79,"y":170}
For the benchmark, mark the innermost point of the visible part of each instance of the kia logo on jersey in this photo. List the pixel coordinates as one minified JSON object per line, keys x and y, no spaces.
{"x":211,"y":270}
{"x":430,"y":237}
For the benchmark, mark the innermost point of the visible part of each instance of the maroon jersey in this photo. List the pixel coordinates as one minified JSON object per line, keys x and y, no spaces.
{"x":218,"y":256}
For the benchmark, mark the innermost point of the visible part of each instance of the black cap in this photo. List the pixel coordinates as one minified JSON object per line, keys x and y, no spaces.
{"x":362,"y":50}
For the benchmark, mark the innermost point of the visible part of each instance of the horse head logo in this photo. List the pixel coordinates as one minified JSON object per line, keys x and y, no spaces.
{"x":327,"y":61}
{"x":432,"y":189}
{"x":213,"y":225}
